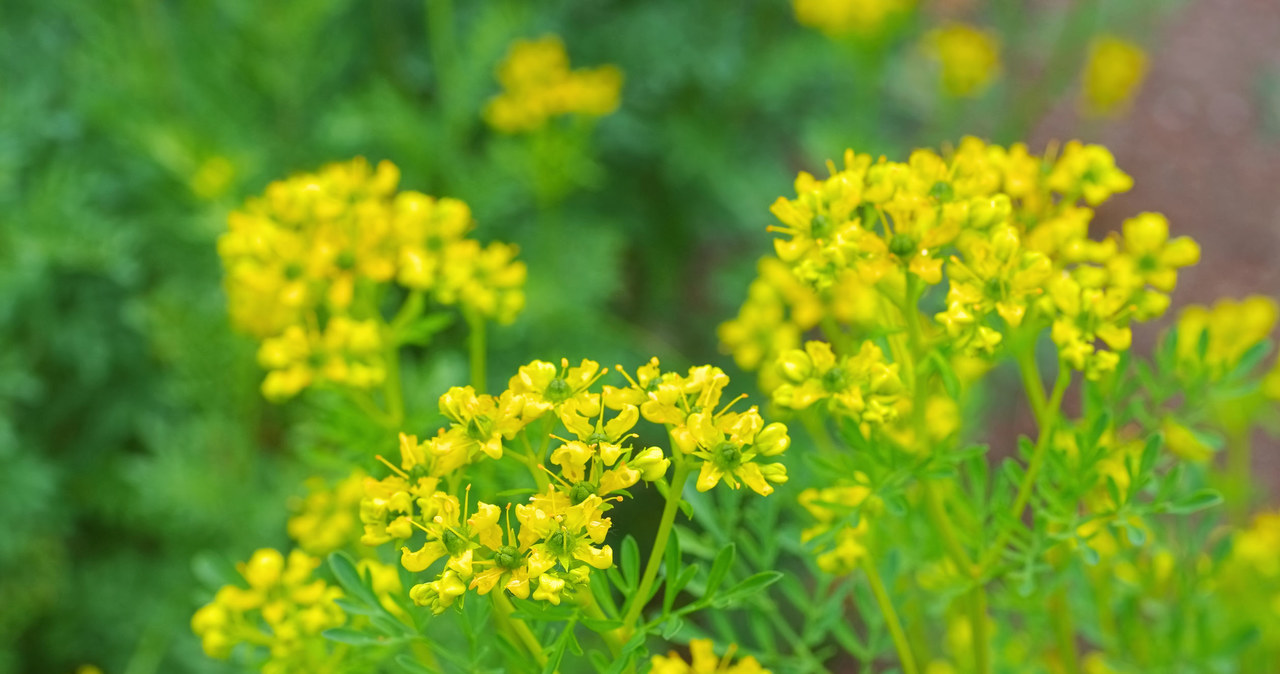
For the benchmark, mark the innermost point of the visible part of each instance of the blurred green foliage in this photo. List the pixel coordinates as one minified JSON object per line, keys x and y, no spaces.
{"x":132,"y":434}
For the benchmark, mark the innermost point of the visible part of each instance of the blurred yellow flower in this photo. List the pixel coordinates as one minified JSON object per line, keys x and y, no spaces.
{"x":213,"y":177}
{"x":838,"y":18}
{"x":705,"y":661}
{"x":1112,"y":75}
{"x":969,"y":57}
{"x":538,"y":85}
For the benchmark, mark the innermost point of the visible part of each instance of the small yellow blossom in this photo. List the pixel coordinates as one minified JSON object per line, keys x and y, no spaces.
{"x":1230,"y":328}
{"x":969,"y":57}
{"x":727,"y":444}
{"x":306,"y":260}
{"x":538,"y":85}
{"x":835,"y":510}
{"x":863,"y":387}
{"x":1112,"y":75}
{"x":328,"y":517}
{"x":284,"y":609}
{"x":1087,"y":171}
{"x":838,"y":18}
{"x":705,"y":661}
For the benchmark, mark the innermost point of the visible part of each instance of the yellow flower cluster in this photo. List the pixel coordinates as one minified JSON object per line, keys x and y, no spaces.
{"x":1112,"y":75}
{"x":327,"y":518}
{"x":307,"y":262}
{"x":1230,"y":329}
{"x":838,"y":18}
{"x":861,"y":387}
{"x":1013,"y":236}
{"x":560,"y":537}
{"x":284,"y":609}
{"x":780,"y":308}
{"x":969,"y":58}
{"x":538,"y":85}
{"x":841,"y":515}
{"x":705,"y":661}
{"x":1251,"y":576}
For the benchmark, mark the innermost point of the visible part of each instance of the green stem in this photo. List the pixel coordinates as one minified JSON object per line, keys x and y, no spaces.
{"x":588,"y":603}
{"x":836,"y":335}
{"x":1064,"y":630}
{"x":1239,"y":475}
{"x":978,"y":623}
{"x":476,"y":349}
{"x":503,"y":610}
{"x":1033,"y":468}
{"x":530,"y":460}
{"x":900,"y":642}
{"x":392,"y":388}
{"x":814,"y":426}
{"x":641,"y":597}
{"x":942,"y":524}
{"x":441,"y":44}
{"x":1032,"y":382}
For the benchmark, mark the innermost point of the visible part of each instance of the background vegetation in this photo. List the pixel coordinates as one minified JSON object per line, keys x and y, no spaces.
{"x":137,"y":457}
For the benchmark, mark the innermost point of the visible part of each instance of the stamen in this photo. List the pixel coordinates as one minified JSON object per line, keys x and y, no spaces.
{"x":731,"y":404}
{"x":557,"y":477}
{"x":628,"y":377}
{"x":392,"y":466}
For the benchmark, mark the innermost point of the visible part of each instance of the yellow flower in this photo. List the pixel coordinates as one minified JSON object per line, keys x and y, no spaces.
{"x":862,"y":387}
{"x":327,"y":518}
{"x":996,"y":274}
{"x":727,"y":444}
{"x":969,"y":56}
{"x":452,"y":533}
{"x":1149,"y":257}
{"x":1086,"y":315}
{"x":838,"y":18}
{"x":561,"y":543}
{"x":284,"y":609}
{"x":1181,"y":441}
{"x":1087,"y":171}
{"x":1233,"y":327}
{"x":488,"y":281}
{"x":705,"y":661}
{"x":1112,"y":75}
{"x":482,"y":422}
{"x":538,"y":85}
{"x":305,"y":261}
{"x":598,"y":463}
{"x":834,"y":510}
{"x":544,"y":387}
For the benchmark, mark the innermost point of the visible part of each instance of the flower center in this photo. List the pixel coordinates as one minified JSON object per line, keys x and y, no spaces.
{"x":508,"y":557}
{"x":558,"y":390}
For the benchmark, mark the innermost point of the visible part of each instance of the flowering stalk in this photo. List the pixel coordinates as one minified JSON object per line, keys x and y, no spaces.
{"x":675,"y":491}
{"x":900,"y":641}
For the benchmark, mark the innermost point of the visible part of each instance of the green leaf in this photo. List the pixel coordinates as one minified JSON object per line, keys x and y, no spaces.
{"x":675,"y":587}
{"x":670,"y":626}
{"x":672,"y":557}
{"x":1136,"y":535}
{"x":719,"y":567}
{"x":748,"y":587}
{"x":412,"y":666}
{"x":630,"y":561}
{"x":1150,"y":453}
{"x":421,"y":330}
{"x":950,"y":382}
{"x":1201,"y":499}
{"x":344,"y":571}
{"x":347,"y":635}
{"x":352,"y":608}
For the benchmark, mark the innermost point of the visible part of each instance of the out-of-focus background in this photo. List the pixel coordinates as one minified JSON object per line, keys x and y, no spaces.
{"x":136,"y":453}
